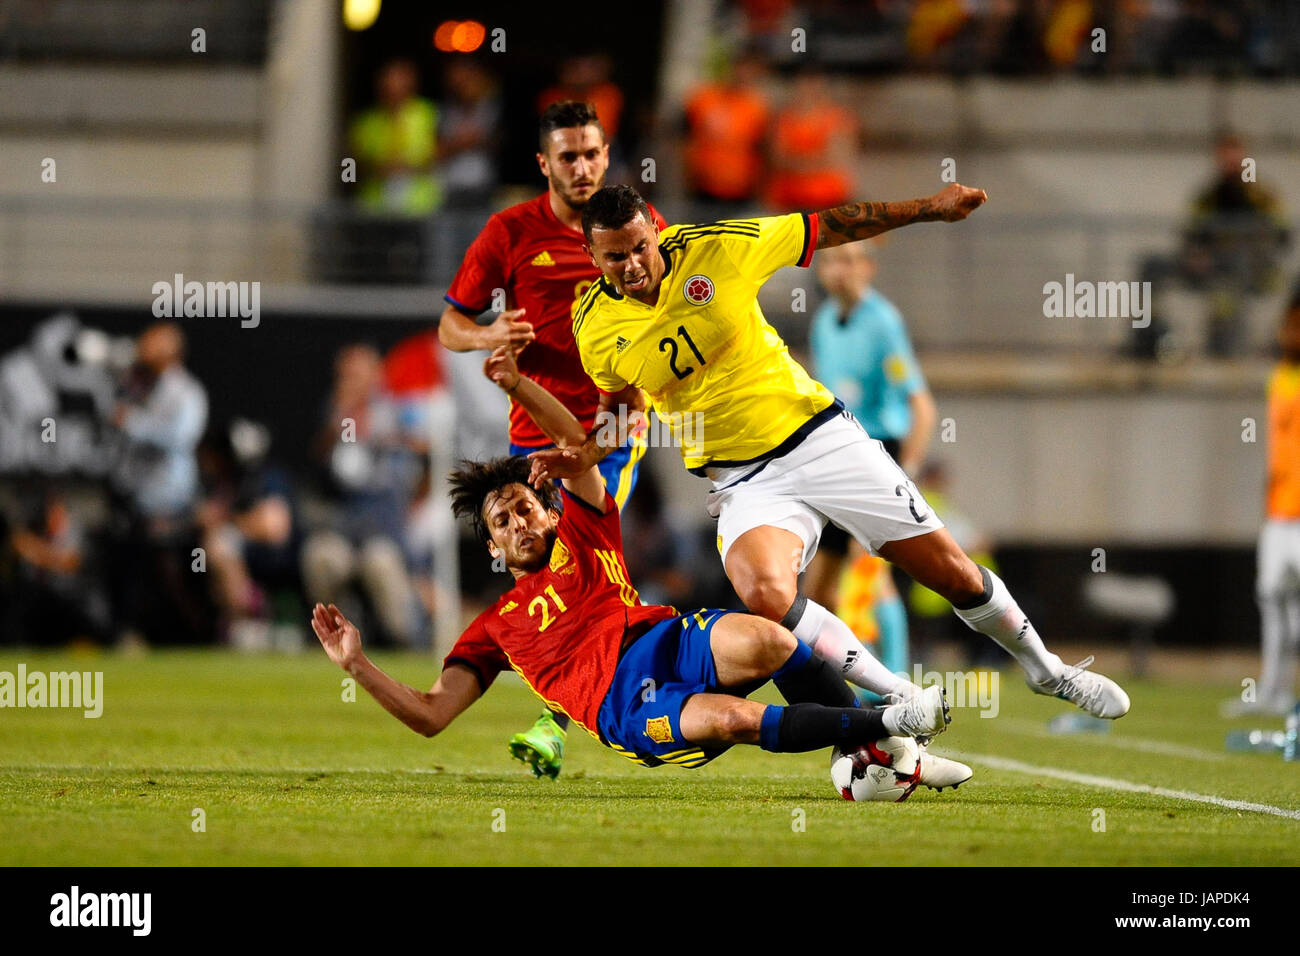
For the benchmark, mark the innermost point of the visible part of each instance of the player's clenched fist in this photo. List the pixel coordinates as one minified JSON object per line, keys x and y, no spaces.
{"x":509,"y":330}
{"x":338,"y":635}
{"x":556,"y":464}
{"x":500,"y":367}
{"x":956,"y":202}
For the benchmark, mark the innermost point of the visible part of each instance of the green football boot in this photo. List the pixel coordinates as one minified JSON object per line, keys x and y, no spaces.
{"x":541,"y":746}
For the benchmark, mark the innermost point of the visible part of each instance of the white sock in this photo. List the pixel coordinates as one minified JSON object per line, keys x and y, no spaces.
{"x":1290,"y":649}
{"x":1280,"y":625}
{"x":1000,"y":618}
{"x":834,"y":642}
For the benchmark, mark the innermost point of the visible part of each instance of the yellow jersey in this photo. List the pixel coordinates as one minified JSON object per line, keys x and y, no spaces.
{"x":715,"y":371}
{"x":1284,"y":442}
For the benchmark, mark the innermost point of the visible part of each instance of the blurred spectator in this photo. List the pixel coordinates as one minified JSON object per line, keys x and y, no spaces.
{"x":1209,"y":36}
{"x":933,"y":28}
{"x":1068,"y":30}
{"x":726,"y":122}
{"x":814,"y":143}
{"x":421,"y":541}
{"x":415,"y":382}
{"x":1022,"y":51}
{"x":482,"y":419}
{"x":161,"y":416}
{"x":394,"y":144}
{"x":766,"y":19}
{"x":55,"y":596}
{"x":588,"y":79}
{"x":388,"y":239}
{"x":467,"y":125}
{"x":372,"y":475}
{"x":1231,"y":251}
{"x":1028,"y":37}
{"x":426,"y":411}
{"x":249,"y":532}
{"x":1234,"y":242}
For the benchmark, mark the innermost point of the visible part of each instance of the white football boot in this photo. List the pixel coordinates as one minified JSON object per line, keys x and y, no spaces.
{"x":921,"y":715}
{"x":939,"y":772}
{"x":1098,"y":695}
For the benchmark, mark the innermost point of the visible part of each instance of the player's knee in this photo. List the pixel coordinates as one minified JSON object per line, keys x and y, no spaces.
{"x":768,"y":594}
{"x":958,"y":578}
{"x":734,"y":725}
{"x":774,"y":642}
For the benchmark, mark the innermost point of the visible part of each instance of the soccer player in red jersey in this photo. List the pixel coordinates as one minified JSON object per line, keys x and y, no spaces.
{"x":532,"y":260}
{"x":655,"y":686}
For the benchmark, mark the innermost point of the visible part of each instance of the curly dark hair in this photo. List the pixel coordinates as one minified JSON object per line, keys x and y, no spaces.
{"x":566,"y":115}
{"x":473,"y":481}
{"x":612,"y":207}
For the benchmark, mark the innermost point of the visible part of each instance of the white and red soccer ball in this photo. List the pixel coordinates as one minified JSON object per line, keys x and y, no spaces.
{"x":889,"y":769}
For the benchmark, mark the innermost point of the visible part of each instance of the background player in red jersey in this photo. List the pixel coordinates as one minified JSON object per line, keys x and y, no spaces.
{"x":533,"y":255}
{"x":574,"y":628}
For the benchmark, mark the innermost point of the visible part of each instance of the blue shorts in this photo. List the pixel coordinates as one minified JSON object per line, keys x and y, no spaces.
{"x":619,"y":469}
{"x":641,"y":714}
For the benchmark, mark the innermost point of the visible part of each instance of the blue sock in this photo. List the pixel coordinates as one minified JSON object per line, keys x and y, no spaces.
{"x":769,"y":730}
{"x":805,"y":678}
{"x":800,"y":728}
{"x":795,"y":662}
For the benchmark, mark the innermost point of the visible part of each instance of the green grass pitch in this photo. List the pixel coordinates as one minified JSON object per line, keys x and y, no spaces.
{"x":286,"y":772}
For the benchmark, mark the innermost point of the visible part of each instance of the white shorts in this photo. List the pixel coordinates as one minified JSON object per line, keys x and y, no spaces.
{"x":1279,"y":559}
{"x":837,"y":473}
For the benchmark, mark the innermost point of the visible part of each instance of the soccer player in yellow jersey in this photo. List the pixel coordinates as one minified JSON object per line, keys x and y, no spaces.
{"x":675,"y":314}
{"x":1277,"y":582}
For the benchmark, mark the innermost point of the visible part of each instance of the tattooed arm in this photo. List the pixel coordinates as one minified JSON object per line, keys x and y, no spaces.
{"x":862,"y":220}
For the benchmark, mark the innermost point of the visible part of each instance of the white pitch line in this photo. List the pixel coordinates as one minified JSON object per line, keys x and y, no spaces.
{"x":1113,"y":783}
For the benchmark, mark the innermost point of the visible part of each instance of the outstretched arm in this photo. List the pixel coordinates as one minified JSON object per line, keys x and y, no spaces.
{"x":425,"y":713}
{"x":551,"y":417}
{"x":862,"y":220}
{"x":609,"y":433}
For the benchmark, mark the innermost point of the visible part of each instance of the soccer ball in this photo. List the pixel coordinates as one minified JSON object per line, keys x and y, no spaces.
{"x":888,"y":769}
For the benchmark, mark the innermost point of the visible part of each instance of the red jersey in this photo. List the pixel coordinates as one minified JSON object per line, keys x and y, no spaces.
{"x":562,"y":628}
{"x":542,"y":265}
